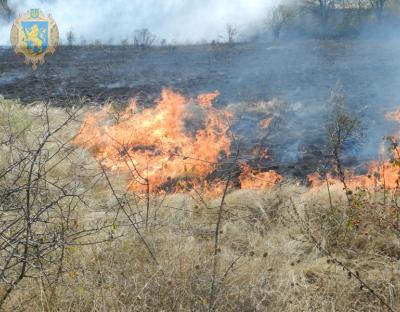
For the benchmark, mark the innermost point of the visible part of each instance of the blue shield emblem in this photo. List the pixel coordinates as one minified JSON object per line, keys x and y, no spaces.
{"x":35,"y":36}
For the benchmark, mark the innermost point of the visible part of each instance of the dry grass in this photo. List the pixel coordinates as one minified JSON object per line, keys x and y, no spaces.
{"x":266,"y":261}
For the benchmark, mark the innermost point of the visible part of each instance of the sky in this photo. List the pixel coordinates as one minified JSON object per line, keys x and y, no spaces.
{"x":180,"y":21}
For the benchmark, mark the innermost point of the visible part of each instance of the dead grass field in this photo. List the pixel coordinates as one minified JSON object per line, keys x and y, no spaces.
{"x":281,"y":249}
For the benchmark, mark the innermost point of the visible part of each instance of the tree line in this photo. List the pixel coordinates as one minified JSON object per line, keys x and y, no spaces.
{"x":323,"y":13}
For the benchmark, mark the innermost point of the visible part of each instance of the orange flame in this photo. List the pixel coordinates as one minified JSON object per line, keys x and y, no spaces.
{"x":252,"y":179}
{"x":176,"y":144}
{"x":265,"y":123}
{"x":153,"y":145}
{"x":381,"y":174}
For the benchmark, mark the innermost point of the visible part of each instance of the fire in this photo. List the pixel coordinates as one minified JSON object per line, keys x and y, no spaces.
{"x":368,"y":181}
{"x":265,"y":123}
{"x":175,"y":139}
{"x":381,"y":174}
{"x":252,"y":179}
{"x":315,"y":180}
{"x":176,"y":145}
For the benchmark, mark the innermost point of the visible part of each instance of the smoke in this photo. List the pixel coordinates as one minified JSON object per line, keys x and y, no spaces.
{"x":181,"y":21}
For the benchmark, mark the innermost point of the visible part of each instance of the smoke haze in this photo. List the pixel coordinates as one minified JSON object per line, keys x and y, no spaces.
{"x":183,"y":21}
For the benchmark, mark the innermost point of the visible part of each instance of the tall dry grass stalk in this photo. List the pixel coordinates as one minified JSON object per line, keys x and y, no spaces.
{"x":83,"y":243}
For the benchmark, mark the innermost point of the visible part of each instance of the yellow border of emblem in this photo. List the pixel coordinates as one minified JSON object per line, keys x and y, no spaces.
{"x":53,"y":36}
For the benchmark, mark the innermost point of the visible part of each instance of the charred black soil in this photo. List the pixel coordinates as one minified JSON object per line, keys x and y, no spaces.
{"x":299,"y":74}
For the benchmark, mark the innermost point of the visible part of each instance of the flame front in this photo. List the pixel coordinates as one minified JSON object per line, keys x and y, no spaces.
{"x":252,"y":179}
{"x":381,"y":174}
{"x":154,"y":145}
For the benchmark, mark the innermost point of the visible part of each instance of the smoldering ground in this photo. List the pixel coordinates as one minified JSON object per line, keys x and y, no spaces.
{"x":298,"y":72}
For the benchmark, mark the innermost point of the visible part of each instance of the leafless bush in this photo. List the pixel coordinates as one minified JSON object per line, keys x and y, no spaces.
{"x":125,"y":42}
{"x":323,"y":10}
{"x":342,"y":129}
{"x":231,"y":33}
{"x":38,"y":200}
{"x":71,"y":38}
{"x":83,"y":41}
{"x":378,"y":7}
{"x":97,"y":43}
{"x":279,"y":17}
{"x":313,"y":237}
{"x":143,"y":39}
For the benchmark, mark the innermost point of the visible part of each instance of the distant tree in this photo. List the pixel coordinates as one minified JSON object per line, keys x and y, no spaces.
{"x":83,"y":41}
{"x":231,"y":33}
{"x":279,"y":17}
{"x":143,"y":39}
{"x":70,"y":38}
{"x":378,"y":6}
{"x":323,"y":9}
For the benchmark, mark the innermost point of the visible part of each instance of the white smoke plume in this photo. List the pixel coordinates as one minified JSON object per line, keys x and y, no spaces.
{"x":181,"y":21}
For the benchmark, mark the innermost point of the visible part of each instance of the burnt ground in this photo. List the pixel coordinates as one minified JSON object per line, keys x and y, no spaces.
{"x":299,"y":73}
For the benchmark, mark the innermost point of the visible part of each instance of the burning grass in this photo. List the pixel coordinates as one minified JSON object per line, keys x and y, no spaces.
{"x":178,"y":140}
{"x":381,"y":174}
{"x":153,"y":144}
{"x":281,"y":247}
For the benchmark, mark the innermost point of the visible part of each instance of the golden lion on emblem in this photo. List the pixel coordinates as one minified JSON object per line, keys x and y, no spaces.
{"x":34,"y":38}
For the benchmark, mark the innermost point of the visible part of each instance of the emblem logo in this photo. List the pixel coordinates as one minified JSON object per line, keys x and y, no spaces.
{"x":34,"y":35}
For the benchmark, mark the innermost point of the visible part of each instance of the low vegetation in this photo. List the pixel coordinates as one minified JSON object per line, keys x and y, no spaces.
{"x":72,"y":238}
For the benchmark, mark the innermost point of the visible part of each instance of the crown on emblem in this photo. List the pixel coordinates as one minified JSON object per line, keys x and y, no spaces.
{"x":34,"y":13}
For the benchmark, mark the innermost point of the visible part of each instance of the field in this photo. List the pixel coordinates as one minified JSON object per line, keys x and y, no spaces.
{"x":185,"y":200}
{"x":299,"y":74}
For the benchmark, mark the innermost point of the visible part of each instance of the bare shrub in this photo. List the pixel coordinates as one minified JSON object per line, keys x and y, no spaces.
{"x":323,"y":10}
{"x":143,"y":39}
{"x":342,"y":130}
{"x":125,"y":42}
{"x":40,"y":197}
{"x":279,"y":17}
{"x":231,"y":33}
{"x":378,"y":7}
{"x":83,"y":41}
{"x":71,"y":38}
{"x":335,"y":254}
